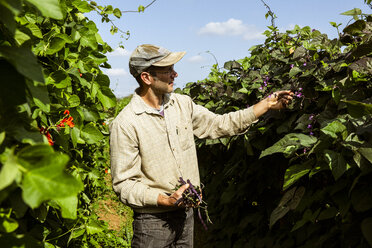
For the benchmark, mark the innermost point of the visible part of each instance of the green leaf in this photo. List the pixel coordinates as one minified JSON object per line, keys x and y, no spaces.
{"x":328,"y":213}
{"x":59,"y":79}
{"x":73,"y":101}
{"x":7,"y":224}
{"x":307,"y":216}
{"x":355,"y":27}
{"x":103,"y":80}
{"x":336,"y":163}
{"x":40,"y":95}
{"x":300,"y":52}
{"x":55,"y":45}
{"x":366,"y":152}
{"x":88,"y":40}
{"x":7,"y":17}
{"x":366,"y":227}
{"x":141,"y":8}
{"x":363,"y":65}
{"x":40,"y":213}
{"x":289,"y":143}
{"x":93,"y":227}
{"x":295,"y":172}
{"x":117,"y":12}
{"x":91,"y":134}
{"x":90,"y":115}
{"x":353,"y":12}
{"x":45,"y":178}
{"x":358,"y":109}
{"x":24,"y":61}
{"x":2,"y":137}
{"x":9,"y":171}
{"x":35,"y":30}
{"x":294,"y":71}
{"x":75,"y":135}
{"x":82,"y":6}
{"x":334,"y":24}
{"x":289,"y":201}
{"x":49,"y":8}
{"x":68,"y":206}
{"x":77,"y":232}
{"x":106,"y":97}
{"x":334,"y":128}
{"x":21,"y":37}
{"x":336,"y":95}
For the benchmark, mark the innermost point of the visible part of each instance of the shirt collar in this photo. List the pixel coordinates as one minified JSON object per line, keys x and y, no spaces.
{"x":139,"y":106}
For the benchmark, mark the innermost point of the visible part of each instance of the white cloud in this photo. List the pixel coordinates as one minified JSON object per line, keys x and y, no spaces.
{"x":232,"y":27}
{"x":196,"y":59}
{"x":120,"y":52}
{"x":116,"y":72}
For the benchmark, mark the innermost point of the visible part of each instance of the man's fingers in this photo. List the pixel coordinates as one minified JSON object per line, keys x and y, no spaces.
{"x":183,"y":188}
{"x":179,"y":192}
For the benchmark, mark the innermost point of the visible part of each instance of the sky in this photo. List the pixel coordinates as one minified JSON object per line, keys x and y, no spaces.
{"x":209,"y":31}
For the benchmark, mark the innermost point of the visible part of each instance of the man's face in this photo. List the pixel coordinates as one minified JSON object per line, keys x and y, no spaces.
{"x":163,"y":79}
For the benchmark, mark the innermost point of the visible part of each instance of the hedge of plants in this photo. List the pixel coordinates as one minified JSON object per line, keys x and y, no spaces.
{"x":54,"y":105}
{"x":299,"y":177}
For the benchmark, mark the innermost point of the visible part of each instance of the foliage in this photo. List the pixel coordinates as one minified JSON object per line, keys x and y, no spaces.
{"x":54,"y":106}
{"x":299,"y":177}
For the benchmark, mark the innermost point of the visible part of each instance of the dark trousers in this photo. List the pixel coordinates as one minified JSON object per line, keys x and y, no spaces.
{"x":170,"y":229}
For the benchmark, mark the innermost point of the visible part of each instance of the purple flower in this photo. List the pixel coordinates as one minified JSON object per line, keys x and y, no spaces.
{"x":313,"y":30}
{"x":309,"y":126}
{"x":305,"y":150}
{"x":311,"y":133}
{"x":311,"y":117}
{"x":305,"y":64}
{"x":300,"y":89}
{"x":292,"y":65}
{"x":261,"y":88}
{"x":265,"y":83}
{"x":299,"y":94}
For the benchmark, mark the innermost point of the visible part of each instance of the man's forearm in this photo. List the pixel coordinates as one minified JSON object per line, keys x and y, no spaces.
{"x":261,"y":107}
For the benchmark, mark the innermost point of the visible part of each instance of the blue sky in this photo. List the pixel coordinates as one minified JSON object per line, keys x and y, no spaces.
{"x":226,"y":29}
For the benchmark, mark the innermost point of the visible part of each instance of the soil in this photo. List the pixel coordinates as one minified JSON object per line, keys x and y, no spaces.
{"x":107,"y":211}
{"x":111,"y":210}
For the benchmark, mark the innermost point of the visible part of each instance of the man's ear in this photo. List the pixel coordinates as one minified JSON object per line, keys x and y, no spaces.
{"x":146,"y":78}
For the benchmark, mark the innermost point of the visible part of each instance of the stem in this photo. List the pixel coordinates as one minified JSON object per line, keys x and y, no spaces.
{"x":136,"y":11}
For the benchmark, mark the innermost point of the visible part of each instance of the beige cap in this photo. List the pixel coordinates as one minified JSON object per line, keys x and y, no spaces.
{"x":147,"y":55}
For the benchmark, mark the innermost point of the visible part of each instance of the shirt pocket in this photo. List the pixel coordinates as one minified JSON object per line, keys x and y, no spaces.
{"x":185,"y":135}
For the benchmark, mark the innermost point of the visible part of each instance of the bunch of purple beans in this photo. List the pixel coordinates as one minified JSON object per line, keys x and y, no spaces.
{"x":192,"y":197}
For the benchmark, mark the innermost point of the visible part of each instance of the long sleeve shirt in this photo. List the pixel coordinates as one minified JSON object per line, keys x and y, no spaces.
{"x":149,"y":152}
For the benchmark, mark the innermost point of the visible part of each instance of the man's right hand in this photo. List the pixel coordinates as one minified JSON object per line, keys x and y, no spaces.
{"x":169,"y":201}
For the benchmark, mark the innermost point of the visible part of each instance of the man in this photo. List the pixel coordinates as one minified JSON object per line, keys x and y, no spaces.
{"x":152,"y":145}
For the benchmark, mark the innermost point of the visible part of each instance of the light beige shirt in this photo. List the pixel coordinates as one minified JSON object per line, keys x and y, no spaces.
{"x":150,"y":152}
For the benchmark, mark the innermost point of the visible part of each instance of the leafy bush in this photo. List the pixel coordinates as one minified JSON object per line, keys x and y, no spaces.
{"x":54,"y":105}
{"x":299,"y":177}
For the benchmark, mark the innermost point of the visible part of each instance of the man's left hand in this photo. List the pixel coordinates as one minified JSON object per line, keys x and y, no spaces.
{"x":279,"y":99}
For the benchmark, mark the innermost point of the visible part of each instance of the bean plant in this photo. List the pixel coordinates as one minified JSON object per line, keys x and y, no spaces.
{"x":299,"y":177}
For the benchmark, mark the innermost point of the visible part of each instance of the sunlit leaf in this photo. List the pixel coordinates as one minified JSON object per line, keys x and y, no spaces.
{"x":295,"y":172}
{"x":49,"y":8}
{"x":336,"y":163}
{"x":290,"y":143}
